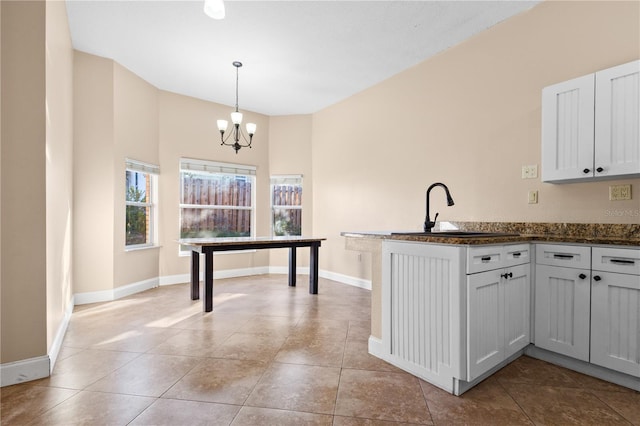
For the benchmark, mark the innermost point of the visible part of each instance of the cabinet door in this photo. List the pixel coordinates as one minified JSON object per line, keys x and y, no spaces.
{"x":485,"y":323}
{"x":562,"y":310}
{"x":516,"y":309}
{"x":617,"y":121}
{"x":567,"y":130}
{"x":615,"y":322}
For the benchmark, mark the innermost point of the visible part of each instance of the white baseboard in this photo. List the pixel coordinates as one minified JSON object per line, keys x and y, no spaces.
{"x":54,"y":351}
{"x":24,"y":370}
{"x":226,"y":273}
{"x":345,"y":279}
{"x":301,"y":270}
{"x":116,"y":293}
{"x":375,"y":347}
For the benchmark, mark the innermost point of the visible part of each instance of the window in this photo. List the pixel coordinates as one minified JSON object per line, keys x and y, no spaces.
{"x":216,"y":199}
{"x":140,"y":202}
{"x":286,"y":205}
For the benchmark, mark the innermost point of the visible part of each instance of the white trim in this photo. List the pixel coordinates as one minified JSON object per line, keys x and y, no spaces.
{"x":302,"y":270}
{"x":226,"y":273}
{"x":375,"y":347}
{"x":116,"y":293}
{"x":56,"y":345}
{"x":346,"y":279}
{"x":24,"y":370}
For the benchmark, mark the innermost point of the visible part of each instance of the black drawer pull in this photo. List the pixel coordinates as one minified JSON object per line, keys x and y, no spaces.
{"x":485,"y":258}
{"x":562,"y":256}
{"x":623,"y":261}
{"x":582,"y":276}
{"x":517,"y":254}
{"x":597,"y":278}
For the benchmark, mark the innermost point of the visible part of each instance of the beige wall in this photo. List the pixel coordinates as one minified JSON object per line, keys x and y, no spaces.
{"x":93,"y":174}
{"x":59,"y":166}
{"x":469,"y":117}
{"x":290,"y":154}
{"x":116,"y":118}
{"x":188,"y":129}
{"x":135,"y":134}
{"x":24,"y":275}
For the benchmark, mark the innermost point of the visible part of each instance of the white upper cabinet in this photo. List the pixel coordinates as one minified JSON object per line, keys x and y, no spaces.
{"x":591,"y":126}
{"x":617,"y":124}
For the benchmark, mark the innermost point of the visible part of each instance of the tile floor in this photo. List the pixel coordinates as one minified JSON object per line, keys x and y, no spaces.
{"x":274,"y":355}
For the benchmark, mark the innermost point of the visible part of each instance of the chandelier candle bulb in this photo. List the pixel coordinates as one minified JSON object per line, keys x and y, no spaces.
{"x":222,"y":125}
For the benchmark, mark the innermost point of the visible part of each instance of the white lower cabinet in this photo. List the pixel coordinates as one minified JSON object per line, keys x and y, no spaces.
{"x":615,"y":310}
{"x":497,"y":317}
{"x":587,"y":304}
{"x":428,"y":292}
{"x":562,"y":310}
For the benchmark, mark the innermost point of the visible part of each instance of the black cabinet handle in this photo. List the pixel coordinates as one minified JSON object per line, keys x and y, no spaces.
{"x":485,"y":258}
{"x":623,"y":261}
{"x":585,"y":171}
{"x":516,"y":255}
{"x":597,"y":278}
{"x":507,"y":275}
{"x":599,"y":170}
{"x":582,"y":276}
{"x":562,"y":256}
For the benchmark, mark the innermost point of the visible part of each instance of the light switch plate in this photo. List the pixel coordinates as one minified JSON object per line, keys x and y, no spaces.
{"x":619,"y":192}
{"x":530,"y":172}
{"x":533,"y":197}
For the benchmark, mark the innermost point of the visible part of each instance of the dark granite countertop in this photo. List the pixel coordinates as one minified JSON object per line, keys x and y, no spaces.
{"x":572,"y":233}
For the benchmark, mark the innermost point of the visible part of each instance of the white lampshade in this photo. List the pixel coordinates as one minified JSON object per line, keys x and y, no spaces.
{"x":236,"y":117}
{"x":222,"y":125}
{"x":251,"y":128}
{"x":214,"y":8}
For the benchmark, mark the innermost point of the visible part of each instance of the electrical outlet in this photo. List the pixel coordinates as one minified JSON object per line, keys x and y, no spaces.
{"x":530,"y":172}
{"x":533,"y":197}
{"x":619,"y":192}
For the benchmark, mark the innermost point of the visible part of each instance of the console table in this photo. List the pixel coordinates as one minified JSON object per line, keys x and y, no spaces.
{"x":208,"y":246}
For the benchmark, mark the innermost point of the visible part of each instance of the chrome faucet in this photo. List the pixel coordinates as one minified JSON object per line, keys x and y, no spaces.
{"x":428,"y":225}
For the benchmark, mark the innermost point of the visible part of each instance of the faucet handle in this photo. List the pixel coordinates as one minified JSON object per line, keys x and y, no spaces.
{"x":435,"y":219}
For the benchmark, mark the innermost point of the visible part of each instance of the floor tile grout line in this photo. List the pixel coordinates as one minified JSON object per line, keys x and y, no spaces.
{"x":515,"y":401}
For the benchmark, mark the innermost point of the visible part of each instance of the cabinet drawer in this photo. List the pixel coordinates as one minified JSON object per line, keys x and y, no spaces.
{"x":484,"y":258}
{"x":487,"y":258}
{"x":560,"y":255}
{"x":625,"y":261}
{"x":517,"y":254}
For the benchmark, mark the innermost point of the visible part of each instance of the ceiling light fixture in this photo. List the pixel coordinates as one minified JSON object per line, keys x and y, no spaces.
{"x":214,"y":8}
{"x":236,"y":119}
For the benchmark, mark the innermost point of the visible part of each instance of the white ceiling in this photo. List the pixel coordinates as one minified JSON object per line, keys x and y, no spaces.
{"x":298,"y":56}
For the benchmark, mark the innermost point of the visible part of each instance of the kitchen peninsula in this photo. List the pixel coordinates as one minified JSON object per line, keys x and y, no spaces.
{"x":453,"y":309}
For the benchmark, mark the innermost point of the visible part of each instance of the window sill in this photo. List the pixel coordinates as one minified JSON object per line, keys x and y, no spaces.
{"x":139,"y":248}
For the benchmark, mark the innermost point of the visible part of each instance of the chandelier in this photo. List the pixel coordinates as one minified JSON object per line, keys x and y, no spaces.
{"x":239,"y":139}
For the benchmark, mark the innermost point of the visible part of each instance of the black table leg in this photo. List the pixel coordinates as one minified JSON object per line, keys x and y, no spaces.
{"x":292,"y":267}
{"x":313,"y":272}
{"x":195,"y":275}
{"x":208,"y":281}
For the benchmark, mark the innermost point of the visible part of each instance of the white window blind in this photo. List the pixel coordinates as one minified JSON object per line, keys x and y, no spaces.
{"x":139,"y":166}
{"x":216,"y":167}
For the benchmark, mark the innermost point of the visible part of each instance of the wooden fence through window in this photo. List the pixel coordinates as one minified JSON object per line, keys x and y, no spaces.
{"x":220,"y":191}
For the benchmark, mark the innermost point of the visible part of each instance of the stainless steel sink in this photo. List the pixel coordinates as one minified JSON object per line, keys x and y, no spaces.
{"x":457,"y":234}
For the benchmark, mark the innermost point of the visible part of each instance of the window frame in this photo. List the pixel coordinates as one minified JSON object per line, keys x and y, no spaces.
{"x":273,"y":181}
{"x":217,"y":168}
{"x":152,"y":171}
